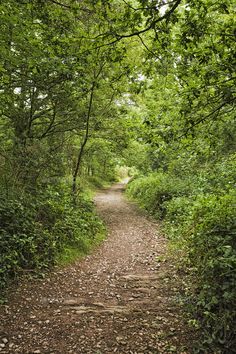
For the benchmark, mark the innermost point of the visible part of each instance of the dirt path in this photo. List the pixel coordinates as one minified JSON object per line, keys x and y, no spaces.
{"x":117,"y":300}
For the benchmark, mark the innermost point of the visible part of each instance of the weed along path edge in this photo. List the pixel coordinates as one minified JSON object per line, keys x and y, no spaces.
{"x":119,"y":299}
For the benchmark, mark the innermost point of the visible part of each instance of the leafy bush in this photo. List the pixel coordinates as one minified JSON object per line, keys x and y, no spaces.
{"x":20,"y":238}
{"x":203,"y":230}
{"x":154,"y":190}
{"x":210,"y":240}
{"x":176,"y":224}
{"x":34,"y":231}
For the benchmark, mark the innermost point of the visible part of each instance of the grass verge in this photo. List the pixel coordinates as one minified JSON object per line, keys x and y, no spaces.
{"x":71,"y":254}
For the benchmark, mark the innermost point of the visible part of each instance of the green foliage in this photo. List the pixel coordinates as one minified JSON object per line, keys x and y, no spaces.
{"x":58,"y":89}
{"x":136,"y":155}
{"x":34,"y":233}
{"x":205,"y":229}
{"x":72,"y":253}
{"x":154,"y":190}
{"x":86,"y":86}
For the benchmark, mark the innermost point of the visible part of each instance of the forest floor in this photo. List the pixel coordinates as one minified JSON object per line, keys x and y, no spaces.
{"x":119,"y":299}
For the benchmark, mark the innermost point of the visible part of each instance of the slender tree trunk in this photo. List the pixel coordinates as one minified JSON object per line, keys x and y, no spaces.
{"x":84,"y":142}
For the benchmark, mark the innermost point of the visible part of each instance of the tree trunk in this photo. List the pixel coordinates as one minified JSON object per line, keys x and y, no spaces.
{"x":84,"y":142}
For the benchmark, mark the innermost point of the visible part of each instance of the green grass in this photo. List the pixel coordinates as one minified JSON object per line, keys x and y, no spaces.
{"x":71,"y":254}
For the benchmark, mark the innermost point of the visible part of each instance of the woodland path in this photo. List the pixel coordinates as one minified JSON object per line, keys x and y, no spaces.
{"x":117,"y":300}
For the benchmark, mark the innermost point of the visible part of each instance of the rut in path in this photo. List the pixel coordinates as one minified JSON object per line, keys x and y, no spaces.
{"x":117,"y":300}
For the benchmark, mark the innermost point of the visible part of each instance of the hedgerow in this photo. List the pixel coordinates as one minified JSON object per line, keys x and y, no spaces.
{"x":34,"y":231}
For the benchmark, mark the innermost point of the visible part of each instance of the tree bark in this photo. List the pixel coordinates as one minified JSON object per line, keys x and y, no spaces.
{"x":84,"y":142}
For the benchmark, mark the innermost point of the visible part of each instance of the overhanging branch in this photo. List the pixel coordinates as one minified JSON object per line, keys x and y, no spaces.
{"x":203,"y":119}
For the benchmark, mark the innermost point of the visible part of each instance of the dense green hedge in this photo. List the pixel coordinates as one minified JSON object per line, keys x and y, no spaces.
{"x":34,"y":231}
{"x":200,"y":220}
{"x":153,"y":191}
{"x":206,"y":231}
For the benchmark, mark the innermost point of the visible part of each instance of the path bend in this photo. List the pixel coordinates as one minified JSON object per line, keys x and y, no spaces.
{"x":119,"y":299}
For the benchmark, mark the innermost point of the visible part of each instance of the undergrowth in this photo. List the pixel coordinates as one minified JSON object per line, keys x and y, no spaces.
{"x":71,"y":254}
{"x":37,"y":232}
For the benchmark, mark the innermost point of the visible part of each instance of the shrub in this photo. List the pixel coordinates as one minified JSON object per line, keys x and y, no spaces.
{"x":20,"y":238}
{"x":204,"y":229}
{"x":212,"y":252}
{"x":34,"y":231}
{"x":154,"y":190}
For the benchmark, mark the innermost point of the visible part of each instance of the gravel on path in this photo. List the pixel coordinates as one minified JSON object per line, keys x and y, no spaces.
{"x":119,"y":299}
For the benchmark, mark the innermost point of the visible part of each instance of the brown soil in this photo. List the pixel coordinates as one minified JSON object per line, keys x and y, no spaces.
{"x":119,"y":299}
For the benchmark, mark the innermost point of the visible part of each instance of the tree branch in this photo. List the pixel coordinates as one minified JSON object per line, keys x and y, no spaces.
{"x":151,"y":26}
{"x":201,"y":120}
{"x":60,"y":4}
